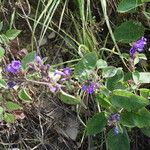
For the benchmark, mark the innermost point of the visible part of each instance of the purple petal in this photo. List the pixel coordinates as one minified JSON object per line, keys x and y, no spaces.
{"x":84,"y":87}
{"x":67,"y":71}
{"x":55,"y":88}
{"x":115,"y":117}
{"x":59,"y":73}
{"x":138,"y":46}
{"x":9,"y":68}
{"x":89,"y":87}
{"x":16,"y":64}
{"x":132,"y":51}
{"x":38,"y":60}
{"x":90,"y":90}
{"x":11,"y":84}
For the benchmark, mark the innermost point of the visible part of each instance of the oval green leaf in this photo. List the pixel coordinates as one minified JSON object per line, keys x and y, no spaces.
{"x":23,"y":95}
{"x":9,"y":118}
{"x":3,"y":84}
{"x":109,"y":71}
{"x":129,"y":31}
{"x":12,"y":34}
{"x":127,"y":5}
{"x":139,"y":119}
{"x":96,"y":124}
{"x":27,"y":59}
{"x":2,"y":52}
{"x":12,"y":106}
{"x":101,"y":64}
{"x":128,"y":100}
{"x":88,"y":62}
{"x":118,"y":142}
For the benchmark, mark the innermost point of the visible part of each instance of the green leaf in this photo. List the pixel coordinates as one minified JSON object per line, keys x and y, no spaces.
{"x":12,"y":34}
{"x":113,"y":81}
{"x":139,"y":119}
{"x":142,"y":118}
{"x":136,"y":60}
{"x":103,"y":100}
{"x":136,"y":77}
{"x":12,"y":106}
{"x":145,"y":92}
{"x":139,"y":57}
{"x":9,"y":118}
{"x":23,"y":95}
{"x":101,"y":64}
{"x":142,"y":56}
{"x":127,"y":119}
{"x":3,"y":39}
{"x":118,"y":142}
{"x":27,"y":59}
{"x":144,"y":77}
{"x":88,"y":62}
{"x":128,"y":100}
{"x":3,"y":84}
{"x":121,"y":85}
{"x":129,"y":31}
{"x":104,"y":91}
{"x":2,"y":52}
{"x":69,"y":99}
{"x":146,"y":131}
{"x":96,"y":124}
{"x":144,"y":1}
{"x":127,"y":5}
{"x":109,"y":71}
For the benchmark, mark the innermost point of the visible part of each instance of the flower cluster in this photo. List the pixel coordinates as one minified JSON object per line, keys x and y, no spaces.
{"x":138,"y":46}
{"x":14,"y":66}
{"x":65,"y":74}
{"x":38,"y":66}
{"x":45,"y":76}
{"x":112,"y":121}
{"x":89,"y":87}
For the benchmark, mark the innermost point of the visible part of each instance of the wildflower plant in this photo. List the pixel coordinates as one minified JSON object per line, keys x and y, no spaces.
{"x":119,"y":105}
{"x":119,"y":97}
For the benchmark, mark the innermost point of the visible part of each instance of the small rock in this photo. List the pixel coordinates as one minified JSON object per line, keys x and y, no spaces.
{"x":42,"y":42}
{"x":51,"y":35}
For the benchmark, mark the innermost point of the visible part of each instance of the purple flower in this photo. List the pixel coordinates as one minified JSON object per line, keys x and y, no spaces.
{"x":89,"y":88}
{"x":67,"y":71}
{"x":115,"y":117}
{"x":38,"y":60}
{"x":14,"y":66}
{"x":55,"y":88}
{"x":138,"y":46}
{"x":116,"y":130}
{"x":10,"y":84}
